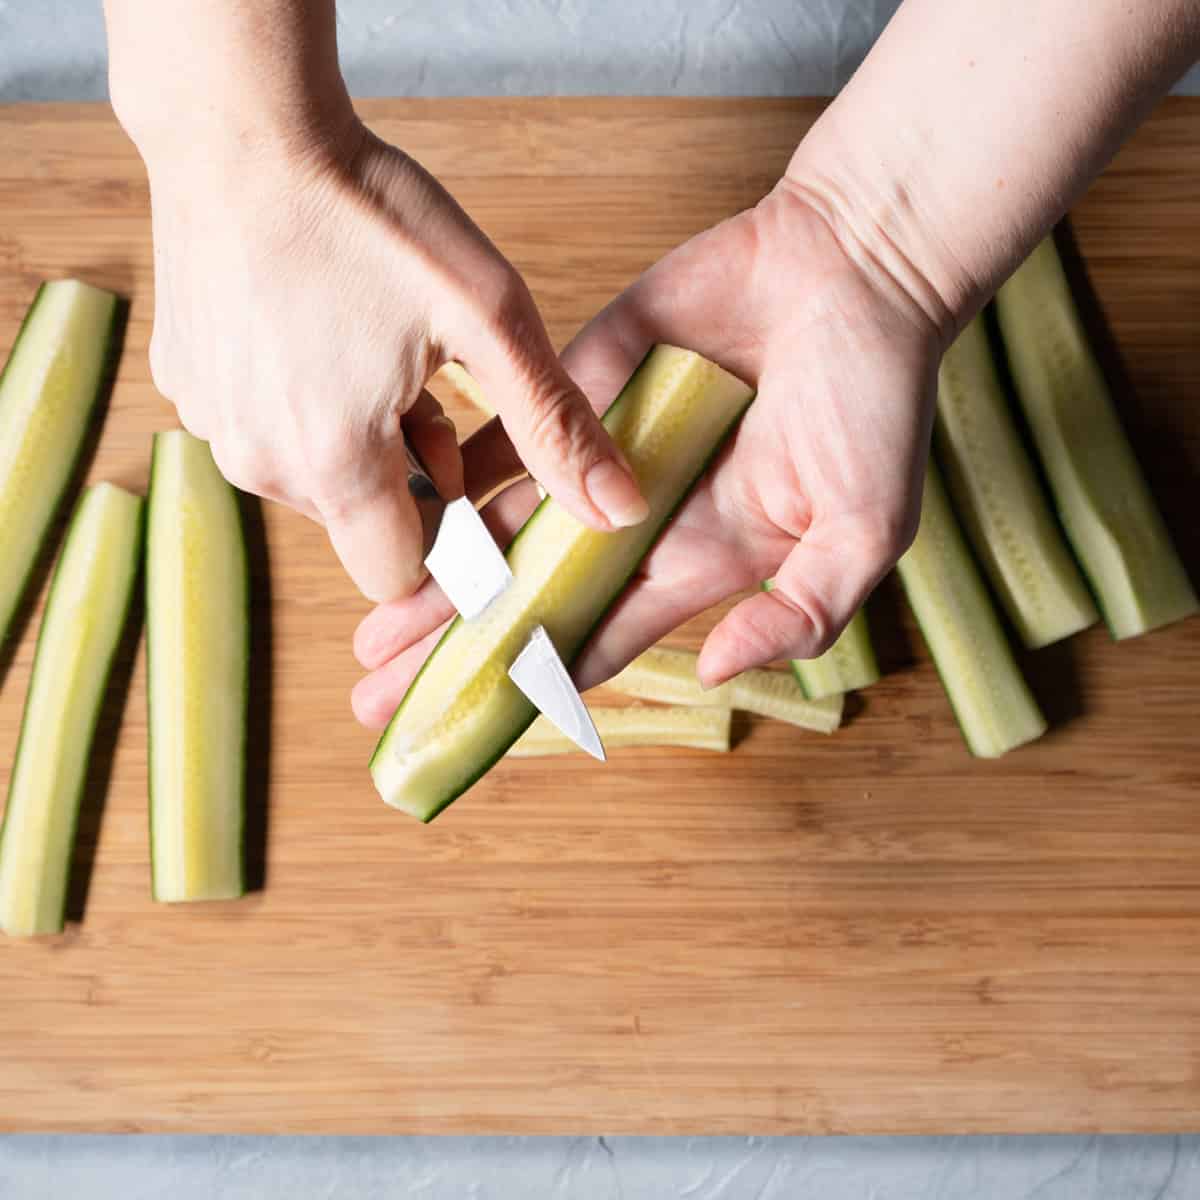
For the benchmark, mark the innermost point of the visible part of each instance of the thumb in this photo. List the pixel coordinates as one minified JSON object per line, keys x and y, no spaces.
{"x":822,"y":583}
{"x":375,"y":527}
{"x":551,"y":424}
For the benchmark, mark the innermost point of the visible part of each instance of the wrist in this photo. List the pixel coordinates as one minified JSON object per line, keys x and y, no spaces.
{"x":259,"y":129}
{"x":877,"y":210}
{"x":217,"y":85}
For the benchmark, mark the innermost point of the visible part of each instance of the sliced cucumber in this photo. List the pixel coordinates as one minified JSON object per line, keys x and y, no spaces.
{"x":991,"y":700}
{"x":48,"y":391}
{"x":462,"y":712}
{"x":999,"y":500}
{"x":637,"y":725}
{"x":1109,"y":514}
{"x":85,"y":613}
{"x":668,"y":675}
{"x":197,"y":647}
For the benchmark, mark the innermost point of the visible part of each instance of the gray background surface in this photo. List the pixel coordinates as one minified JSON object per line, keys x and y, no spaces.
{"x":54,"y":50}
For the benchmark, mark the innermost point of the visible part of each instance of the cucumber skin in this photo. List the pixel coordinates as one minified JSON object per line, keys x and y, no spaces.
{"x":91,"y":730}
{"x":955,"y":475}
{"x":489,"y":763}
{"x":111,"y":353}
{"x":1061,"y":509}
{"x":244,"y":576}
{"x":963,"y":730}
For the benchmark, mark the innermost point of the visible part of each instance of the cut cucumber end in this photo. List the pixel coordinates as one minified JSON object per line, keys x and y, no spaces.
{"x":995,"y":709}
{"x":1109,"y":514}
{"x":48,"y":392}
{"x":462,"y":712}
{"x":81,"y":629}
{"x":197,"y":647}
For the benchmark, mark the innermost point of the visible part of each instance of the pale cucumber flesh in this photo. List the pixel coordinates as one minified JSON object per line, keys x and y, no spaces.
{"x":81,"y":629}
{"x":999,"y":500}
{"x":462,"y":712}
{"x":636,"y":725}
{"x":197,"y":640}
{"x":995,"y":709}
{"x":48,"y":391}
{"x":668,"y":675}
{"x":1106,"y":508}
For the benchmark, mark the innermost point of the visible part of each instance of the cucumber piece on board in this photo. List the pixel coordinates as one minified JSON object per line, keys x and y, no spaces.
{"x":999,"y":500}
{"x":81,"y":628}
{"x":1110,"y":517}
{"x":197,"y":652}
{"x":995,"y":709}
{"x":668,"y":675}
{"x":48,"y":392}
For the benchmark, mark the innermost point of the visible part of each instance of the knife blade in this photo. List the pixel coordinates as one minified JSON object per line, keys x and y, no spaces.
{"x":460,"y":553}
{"x":543,"y":677}
{"x":467,"y":564}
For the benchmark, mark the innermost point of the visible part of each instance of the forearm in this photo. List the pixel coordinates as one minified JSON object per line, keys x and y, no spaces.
{"x":970,"y":129}
{"x":221,"y":77}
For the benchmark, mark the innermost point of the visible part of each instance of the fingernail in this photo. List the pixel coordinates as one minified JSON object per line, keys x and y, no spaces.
{"x":613,"y":491}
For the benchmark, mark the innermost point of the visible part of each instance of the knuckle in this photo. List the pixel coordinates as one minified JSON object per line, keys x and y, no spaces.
{"x":812,"y":611}
{"x":513,"y":320}
{"x":882,"y":537}
{"x":330,"y":462}
{"x":505,"y":298}
{"x":242,"y":465}
{"x":555,"y":426}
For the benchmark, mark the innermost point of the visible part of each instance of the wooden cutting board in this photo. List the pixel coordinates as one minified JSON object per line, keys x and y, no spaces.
{"x":870,"y":932}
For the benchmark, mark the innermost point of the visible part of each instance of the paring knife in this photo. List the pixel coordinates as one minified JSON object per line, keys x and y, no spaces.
{"x":468,"y":566}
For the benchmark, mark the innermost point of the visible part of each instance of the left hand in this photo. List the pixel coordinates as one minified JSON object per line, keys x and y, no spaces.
{"x":819,"y":487}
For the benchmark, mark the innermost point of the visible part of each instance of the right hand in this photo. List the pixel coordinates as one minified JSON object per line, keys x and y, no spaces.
{"x":819,"y":488}
{"x":304,"y":295}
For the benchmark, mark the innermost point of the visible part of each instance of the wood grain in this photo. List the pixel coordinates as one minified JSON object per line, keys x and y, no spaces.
{"x":870,"y":932}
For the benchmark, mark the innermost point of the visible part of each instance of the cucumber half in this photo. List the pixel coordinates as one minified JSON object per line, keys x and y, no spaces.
{"x":197,"y":649}
{"x":81,"y":628}
{"x":48,"y":391}
{"x":998,"y":498}
{"x":1109,"y":514}
{"x":462,"y":712}
{"x":991,"y":700}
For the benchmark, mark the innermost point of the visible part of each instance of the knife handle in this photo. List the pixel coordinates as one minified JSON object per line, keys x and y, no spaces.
{"x":428,"y":499}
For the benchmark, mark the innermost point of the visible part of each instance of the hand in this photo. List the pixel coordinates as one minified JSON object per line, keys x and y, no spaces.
{"x":303,"y":298}
{"x":819,"y":487}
